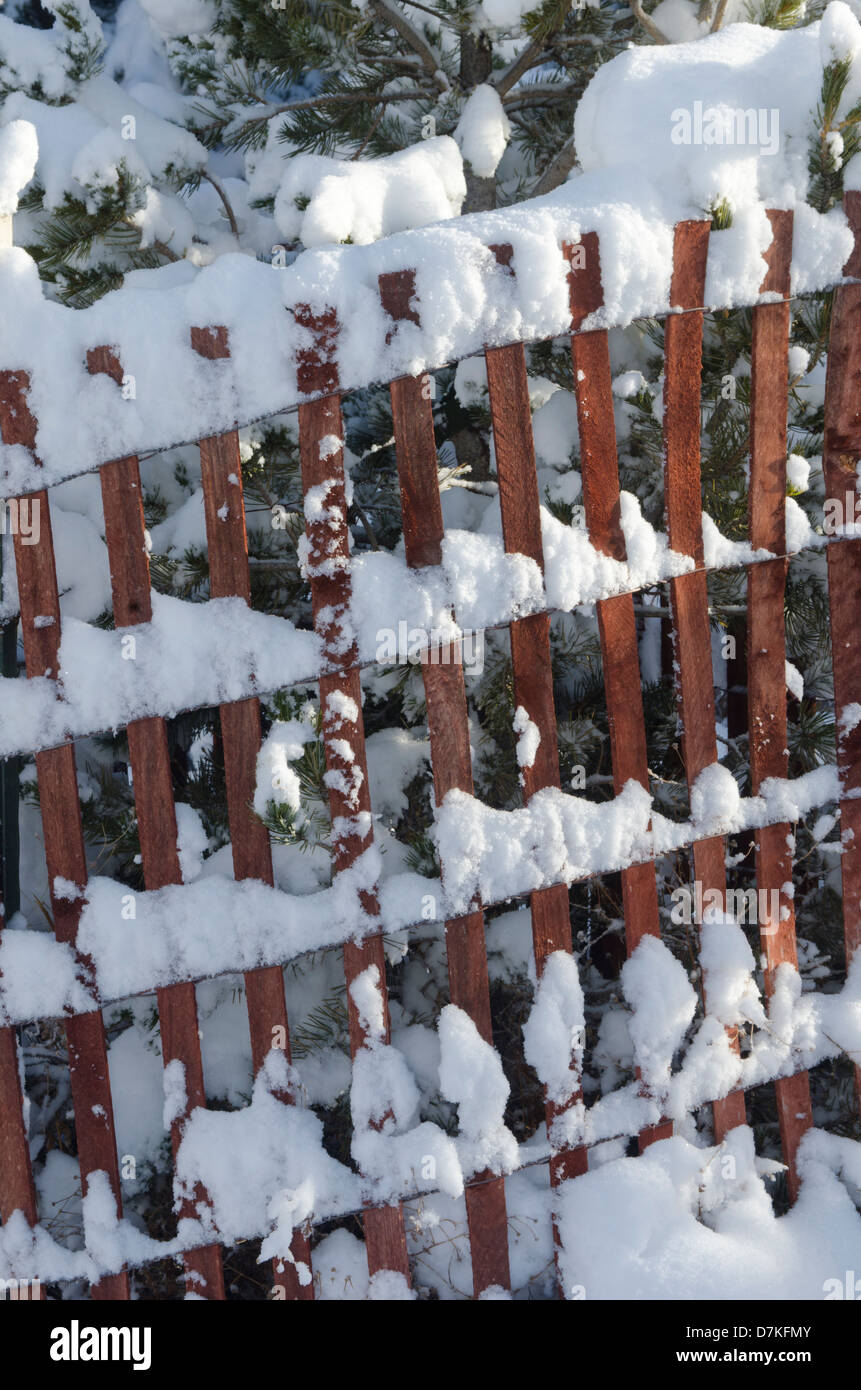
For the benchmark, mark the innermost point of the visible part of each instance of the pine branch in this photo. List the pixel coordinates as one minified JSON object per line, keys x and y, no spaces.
{"x":225,"y":202}
{"x":389,"y":14}
{"x":557,"y":172}
{"x":647,"y":23}
{"x":524,"y":62}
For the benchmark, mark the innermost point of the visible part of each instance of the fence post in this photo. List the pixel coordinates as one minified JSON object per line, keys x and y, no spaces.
{"x":766,"y":647}
{"x":63,"y":832}
{"x":321,"y":451}
{"x":125,"y":537}
{"x":229,"y":577}
{"x":842,"y":449}
{"x":17,"y":1189}
{"x":689,"y":599}
{"x":520,"y":508}
{"x":10,"y":847}
{"x":451,"y":762}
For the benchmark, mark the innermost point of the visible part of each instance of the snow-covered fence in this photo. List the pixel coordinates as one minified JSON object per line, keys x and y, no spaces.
{"x":182,"y":931}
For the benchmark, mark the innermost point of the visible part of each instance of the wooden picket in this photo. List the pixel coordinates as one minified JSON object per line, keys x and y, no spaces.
{"x":511,"y":418}
{"x":689,"y":600}
{"x":321,"y":432}
{"x":17,"y":1188}
{"x":328,"y":571}
{"x":766,"y":647}
{"x":125,"y":536}
{"x":229,"y":577}
{"x":63,"y":833}
{"x":451,"y":759}
{"x":617,"y":628}
{"x":841,"y":451}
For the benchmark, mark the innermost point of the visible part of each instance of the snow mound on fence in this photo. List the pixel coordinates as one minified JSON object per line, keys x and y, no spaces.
{"x":322,"y":199}
{"x":727,"y":116}
{"x":19,"y":150}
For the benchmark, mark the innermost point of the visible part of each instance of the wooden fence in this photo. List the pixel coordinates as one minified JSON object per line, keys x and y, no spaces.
{"x":320,"y":419}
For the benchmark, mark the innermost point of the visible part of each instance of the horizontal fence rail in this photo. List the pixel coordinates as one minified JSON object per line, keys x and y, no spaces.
{"x":336,"y":662}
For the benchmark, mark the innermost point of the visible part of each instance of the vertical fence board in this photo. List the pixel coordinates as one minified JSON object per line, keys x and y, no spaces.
{"x":125,"y":536}
{"x":17,"y":1189}
{"x":517,"y":478}
{"x":321,"y":433}
{"x":227,"y":547}
{"x":841,"y":451}
{"x":766,"y":646}
{"x":61,"y":824}
{"x":451,"y":762}
{"x":617,"y":627}
{"x":689,"y":592}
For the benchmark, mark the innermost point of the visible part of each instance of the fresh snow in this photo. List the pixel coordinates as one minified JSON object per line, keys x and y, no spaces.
{"x":465,"y":300}
{"x":212,"y":925}
{"x":194,"y":654}
{"x":19,"y":150}
{"x":483,"y":130}
{"x":323,"y":200}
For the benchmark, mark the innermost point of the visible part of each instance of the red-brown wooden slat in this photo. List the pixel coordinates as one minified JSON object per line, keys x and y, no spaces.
{"x":125,"y":536}
{"x":448,"y":727}
{"x":514,"y":450}
{"x":61,"y":824}
{"x":689,"y":592}
{"x":766,"y":646}
{"x":227,"y":545}
{"x":617,"y":628}
{"x":531,"y":671}
{"x":349,"y":791}
{"x":842,"y":450}
{"x":17,"y":1189}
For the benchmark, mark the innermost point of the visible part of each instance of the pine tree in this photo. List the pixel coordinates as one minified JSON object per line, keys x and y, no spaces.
{"x":387,"y":74}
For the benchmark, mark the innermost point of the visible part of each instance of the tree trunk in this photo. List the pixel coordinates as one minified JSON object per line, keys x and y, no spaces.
{"x":476,"y":61}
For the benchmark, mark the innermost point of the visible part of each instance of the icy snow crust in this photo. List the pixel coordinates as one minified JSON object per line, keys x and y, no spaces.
{"x":632,"y":200}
